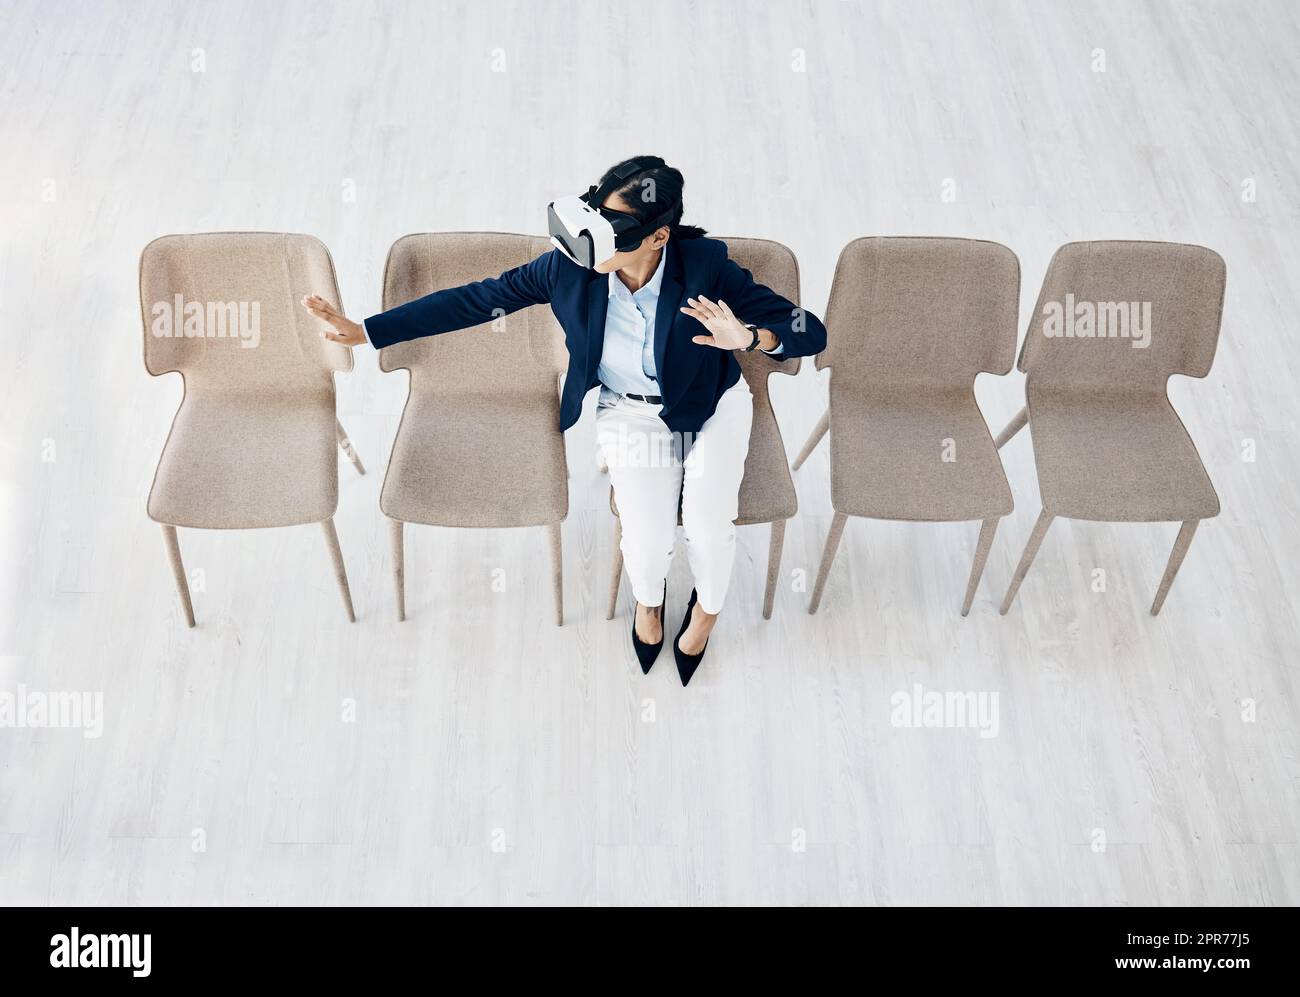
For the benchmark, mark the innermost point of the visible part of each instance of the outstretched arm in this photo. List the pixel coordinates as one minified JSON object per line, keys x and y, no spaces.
{"x":443,"y":311}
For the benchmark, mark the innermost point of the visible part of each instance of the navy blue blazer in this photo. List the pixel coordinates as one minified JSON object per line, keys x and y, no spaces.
{"x":691,"y":377}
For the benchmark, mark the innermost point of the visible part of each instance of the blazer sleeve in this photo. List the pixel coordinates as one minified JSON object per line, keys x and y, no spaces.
{"x":465,"y":306}
{"x":800,"y":331}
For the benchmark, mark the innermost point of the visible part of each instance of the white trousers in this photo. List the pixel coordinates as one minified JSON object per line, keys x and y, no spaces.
{"x":650,"y":476}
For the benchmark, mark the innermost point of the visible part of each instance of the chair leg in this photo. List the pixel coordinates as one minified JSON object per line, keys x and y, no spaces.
{"x":1017,"y":423}
{"x":616,"y":569}
{"x":828,"y":556}
{"x":987,"y":529}
{"x":1027,"y":558}
{"x":823,"y":424}
{"x":340,"y":572}
{"x":397,"y":538}
{"x":774,"y":547}
{"x":345,"y":445}
{"x":1176,"y":556}
{"x":178,"y":571}
{"x":557,"y":571}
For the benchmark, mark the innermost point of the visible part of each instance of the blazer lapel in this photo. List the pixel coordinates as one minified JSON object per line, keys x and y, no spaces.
{"x":597,"y":306}
{"x":670,"y":300}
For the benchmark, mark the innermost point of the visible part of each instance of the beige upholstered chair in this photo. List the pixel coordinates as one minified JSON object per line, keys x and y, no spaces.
{"x":254,"y":442}
{"x":1107,"y":444}
{"x":911,"y":322}
{"x":479,"y":444}
{"x":767,"y":492}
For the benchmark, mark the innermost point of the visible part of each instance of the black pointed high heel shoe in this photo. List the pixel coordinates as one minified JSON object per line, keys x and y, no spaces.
{"x":646,"y":654}
{"x":687,"y":663}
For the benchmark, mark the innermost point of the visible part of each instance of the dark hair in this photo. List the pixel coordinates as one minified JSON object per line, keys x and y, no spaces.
{"x":651,"y":191}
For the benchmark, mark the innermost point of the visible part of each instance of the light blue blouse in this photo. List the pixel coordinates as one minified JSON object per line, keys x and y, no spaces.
{"x":627,"y":361}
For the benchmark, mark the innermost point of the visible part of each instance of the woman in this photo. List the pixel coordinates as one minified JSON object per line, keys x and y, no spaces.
{"x":654,"y":326}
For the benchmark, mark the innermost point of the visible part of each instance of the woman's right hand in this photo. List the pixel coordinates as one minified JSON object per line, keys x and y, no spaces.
{"x":342,"y":329}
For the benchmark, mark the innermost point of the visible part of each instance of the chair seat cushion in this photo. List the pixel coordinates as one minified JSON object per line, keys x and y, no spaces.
{"x":1117,"y":457}
{"x":490,"y":460}
{"x":248,"y":460}
{"x":767,"y":490}
{"x":920,"y":454}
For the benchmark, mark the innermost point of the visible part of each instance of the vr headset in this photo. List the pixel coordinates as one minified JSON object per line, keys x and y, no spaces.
{"x":589,"y":234}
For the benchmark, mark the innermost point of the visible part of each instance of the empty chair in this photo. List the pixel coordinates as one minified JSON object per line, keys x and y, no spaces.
{"x":911,"y":322}
{"x":255,"y":440}
{"x":1113,"y":321}
{"x":479,"y":444}
{"x":767,"y":493}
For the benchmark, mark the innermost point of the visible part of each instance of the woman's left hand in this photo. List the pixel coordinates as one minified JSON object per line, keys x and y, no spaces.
{"x":729,"y":333}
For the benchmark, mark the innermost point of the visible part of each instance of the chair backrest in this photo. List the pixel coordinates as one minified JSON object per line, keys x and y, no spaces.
{"x":223,"y":309}
{"x":1125,"y":315}
{"x":922,"y":311}
{"x":767,"y":490}
{"x":774,"y":266}
{"x":520,"y":353}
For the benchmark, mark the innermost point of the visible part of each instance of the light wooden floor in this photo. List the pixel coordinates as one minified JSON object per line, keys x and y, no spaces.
{"x":495,"y":758}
